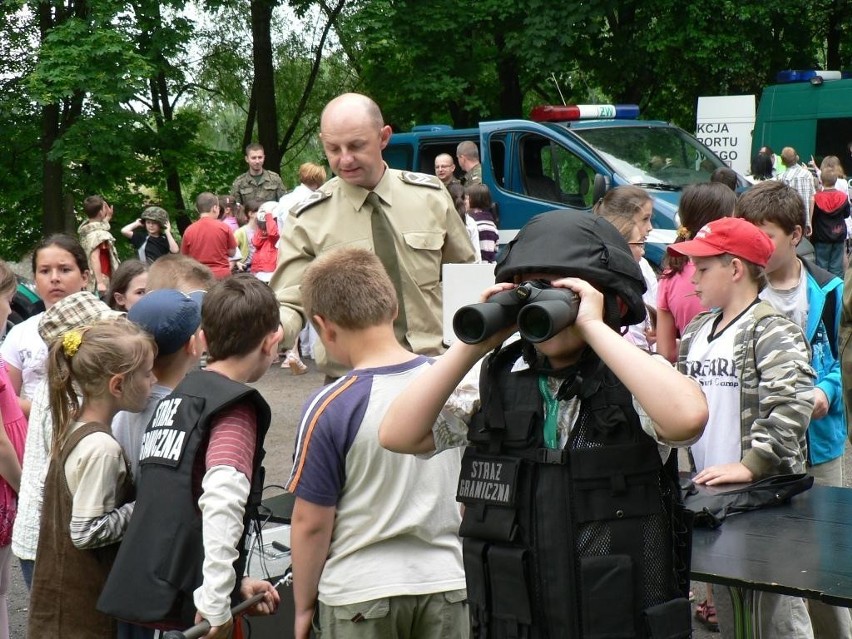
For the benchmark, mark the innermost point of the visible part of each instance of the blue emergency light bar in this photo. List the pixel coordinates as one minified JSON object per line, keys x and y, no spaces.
{"x":806,"y":75}
{"x":568,"y":112}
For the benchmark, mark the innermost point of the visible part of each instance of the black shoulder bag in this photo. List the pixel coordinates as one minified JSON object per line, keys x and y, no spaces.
{"x":712,"y":504}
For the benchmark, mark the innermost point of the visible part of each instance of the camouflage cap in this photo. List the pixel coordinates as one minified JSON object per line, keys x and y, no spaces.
{"x":155,"y":214}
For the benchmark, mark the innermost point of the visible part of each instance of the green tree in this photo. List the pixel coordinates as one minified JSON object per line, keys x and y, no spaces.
{"x":664,"y":55}
{"x":307,"y":72}
{"x":131,"y":99}
{"x":86,"y":70}
{"x":422,"y":62}
{"x":160,"y":36}
{"x":20,"y":162}
{"x":447,"y":61}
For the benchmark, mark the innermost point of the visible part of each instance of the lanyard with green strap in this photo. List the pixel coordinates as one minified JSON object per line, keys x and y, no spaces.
{"x":551,"y":414}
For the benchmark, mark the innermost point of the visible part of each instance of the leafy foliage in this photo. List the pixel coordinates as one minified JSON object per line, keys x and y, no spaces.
{"x":145,"y":101}
{"x":445,"y":61}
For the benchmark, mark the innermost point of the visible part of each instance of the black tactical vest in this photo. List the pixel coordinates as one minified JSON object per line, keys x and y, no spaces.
{"x":160,"y":559}
{"x":586,"y":542}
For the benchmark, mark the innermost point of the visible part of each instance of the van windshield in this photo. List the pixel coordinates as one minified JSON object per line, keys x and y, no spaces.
{"x":653,"y":157}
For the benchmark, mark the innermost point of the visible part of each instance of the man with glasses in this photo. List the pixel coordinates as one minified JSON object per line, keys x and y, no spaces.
{"x":445,"y":169}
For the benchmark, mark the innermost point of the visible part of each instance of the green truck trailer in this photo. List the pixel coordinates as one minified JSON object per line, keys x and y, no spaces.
{"x":810,"y":111}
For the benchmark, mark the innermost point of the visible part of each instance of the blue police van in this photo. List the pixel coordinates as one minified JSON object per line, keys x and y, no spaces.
{"x":567,"y":157}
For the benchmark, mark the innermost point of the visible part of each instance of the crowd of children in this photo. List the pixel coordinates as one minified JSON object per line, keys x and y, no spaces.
{"x":129,"y":478}
{"x":96,"y":376}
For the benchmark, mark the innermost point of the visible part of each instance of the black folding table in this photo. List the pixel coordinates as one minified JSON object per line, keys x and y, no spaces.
{"x":803,"y":548}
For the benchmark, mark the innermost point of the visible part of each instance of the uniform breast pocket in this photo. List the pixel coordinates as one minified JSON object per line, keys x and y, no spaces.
{"x":423,"y":260}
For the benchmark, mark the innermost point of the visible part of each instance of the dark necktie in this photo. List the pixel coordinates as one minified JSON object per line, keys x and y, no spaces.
{"x":385,"y":247}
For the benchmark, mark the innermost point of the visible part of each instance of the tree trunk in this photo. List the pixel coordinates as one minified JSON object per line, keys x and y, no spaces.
{"x":165,"y":113}
{"x":56,"y":119}
{"x":251,"y":118}
{"x":52,"y":173}
{"x":346,"y":44}
{"x":510,"y":97}
{"x":151,"y":24}
{"x":312,"y":78}
{"x":460,"y":117}
{"x":51,"y":195}
{"x":832,"y":40}
{"x":264,"y":81}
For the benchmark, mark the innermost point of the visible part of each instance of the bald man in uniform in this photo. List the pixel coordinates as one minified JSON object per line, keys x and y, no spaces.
{"x":425,"y":227}
{"x":445,"y":169}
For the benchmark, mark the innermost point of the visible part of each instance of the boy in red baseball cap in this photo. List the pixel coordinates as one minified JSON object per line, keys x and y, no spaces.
{"x":753,"y":365}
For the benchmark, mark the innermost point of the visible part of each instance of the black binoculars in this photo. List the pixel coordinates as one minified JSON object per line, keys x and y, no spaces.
{"x":539,"y":310}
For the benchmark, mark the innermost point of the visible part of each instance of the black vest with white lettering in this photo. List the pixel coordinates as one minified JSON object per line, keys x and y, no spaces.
{"x":585,"y":542}
{"x":159,"y":563}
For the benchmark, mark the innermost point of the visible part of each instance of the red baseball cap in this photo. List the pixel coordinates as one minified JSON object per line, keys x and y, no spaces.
{"x":731,"y":235}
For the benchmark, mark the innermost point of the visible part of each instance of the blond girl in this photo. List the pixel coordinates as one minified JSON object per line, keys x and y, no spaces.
{"x":88,"y":490}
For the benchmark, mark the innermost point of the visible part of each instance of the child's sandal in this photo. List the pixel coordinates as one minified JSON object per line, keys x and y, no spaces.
{"x":706,"y":614}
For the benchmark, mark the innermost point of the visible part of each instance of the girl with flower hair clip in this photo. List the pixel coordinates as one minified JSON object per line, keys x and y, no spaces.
{"x":676,"y":300}
{"x":88,"y":491}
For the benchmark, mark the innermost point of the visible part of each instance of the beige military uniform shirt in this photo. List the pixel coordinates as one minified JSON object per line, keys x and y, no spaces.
{"x":428,"y":233}
{"x":246,"y":188}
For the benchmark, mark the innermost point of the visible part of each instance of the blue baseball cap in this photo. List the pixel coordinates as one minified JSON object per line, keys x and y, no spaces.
{"x":171,"y":317}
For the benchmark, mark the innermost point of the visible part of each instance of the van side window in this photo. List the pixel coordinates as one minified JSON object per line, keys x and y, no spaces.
{"x":400,"y":156}
{"x":552,"y":173}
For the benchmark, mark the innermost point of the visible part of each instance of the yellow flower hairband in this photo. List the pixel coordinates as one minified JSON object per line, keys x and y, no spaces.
{"x":71,"y":343}
{"x":683,"y":232}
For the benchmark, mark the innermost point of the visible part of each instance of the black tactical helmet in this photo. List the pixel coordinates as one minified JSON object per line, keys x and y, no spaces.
{"x":578,"y":244}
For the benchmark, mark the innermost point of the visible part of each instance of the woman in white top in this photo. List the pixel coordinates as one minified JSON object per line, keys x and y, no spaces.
{"x":60,"y":268}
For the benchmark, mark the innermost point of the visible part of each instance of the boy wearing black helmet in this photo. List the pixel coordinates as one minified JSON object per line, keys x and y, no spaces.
{"x":571,"y":524}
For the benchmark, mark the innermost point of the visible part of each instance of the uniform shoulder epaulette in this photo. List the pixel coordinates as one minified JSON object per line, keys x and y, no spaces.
{"x":313,"y":199}
{"x":420,"y":179}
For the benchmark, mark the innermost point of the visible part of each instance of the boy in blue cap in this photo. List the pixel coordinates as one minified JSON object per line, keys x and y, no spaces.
{"x":183,"y":556}
{"x":172,"y":318}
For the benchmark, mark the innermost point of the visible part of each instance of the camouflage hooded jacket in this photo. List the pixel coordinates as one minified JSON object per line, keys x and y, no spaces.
{"x":771,"y":356}
{"x":92,"y":234}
